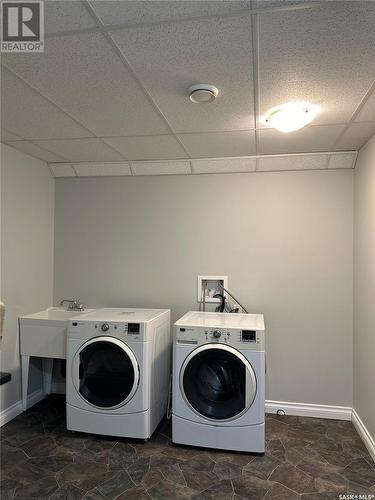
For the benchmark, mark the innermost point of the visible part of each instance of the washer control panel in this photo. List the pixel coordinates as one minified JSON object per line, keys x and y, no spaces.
{"x":129,"y":331}
{"x":243,"y":339}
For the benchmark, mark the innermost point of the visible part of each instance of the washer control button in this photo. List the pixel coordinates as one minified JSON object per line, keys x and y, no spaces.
{"x":105,"y":327}
{"x":216,"y":334}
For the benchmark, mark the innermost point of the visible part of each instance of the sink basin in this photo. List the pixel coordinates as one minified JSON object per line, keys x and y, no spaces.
{"x":55,"y":314}
{"x":43,"y":334}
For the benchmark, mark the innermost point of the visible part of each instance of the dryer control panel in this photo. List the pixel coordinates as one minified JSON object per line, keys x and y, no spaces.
{"x":242,"y":339}
{"x":125,"y":331}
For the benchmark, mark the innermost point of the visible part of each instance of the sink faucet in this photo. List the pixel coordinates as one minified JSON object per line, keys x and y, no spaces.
{"x":73,"y":304}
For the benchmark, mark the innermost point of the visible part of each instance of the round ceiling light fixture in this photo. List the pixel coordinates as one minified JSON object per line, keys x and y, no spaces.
{"x":291,"y":116}
{"x":203,"y":93}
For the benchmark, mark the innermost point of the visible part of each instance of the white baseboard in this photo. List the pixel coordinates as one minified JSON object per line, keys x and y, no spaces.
{"x":16,"y":409}
{"x":310,"y":410}
{"x":298,"y":409}
{"x":364,"y":433}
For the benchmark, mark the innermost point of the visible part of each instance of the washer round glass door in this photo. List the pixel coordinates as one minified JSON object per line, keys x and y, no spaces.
{"x":218,"y":382}
{"x":105,"y":372}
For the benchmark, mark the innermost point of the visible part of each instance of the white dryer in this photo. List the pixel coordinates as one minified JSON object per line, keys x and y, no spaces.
{"x":219,"y":381}
{"x":118,"y":371}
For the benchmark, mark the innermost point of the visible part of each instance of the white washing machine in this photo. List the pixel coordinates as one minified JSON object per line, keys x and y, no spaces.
{"x":219,"y":381}
{"x":118,"y":371}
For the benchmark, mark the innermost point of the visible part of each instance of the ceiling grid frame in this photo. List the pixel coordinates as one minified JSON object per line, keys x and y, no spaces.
{"x":74,"y":169}
{"x":258,"y":158}
{"x":361,"y":105}
{"x":256,"y":164}
{"x":51,"y":101}
{"x":104,"y":29}
{"x":116,"y":27}
{"x":355,"y":113}
{"x":327,"y":161}
{"x":50,"y":170}
{"x":128,"y":66}
{"x":31,"y":141}
{"x":256,"y":75}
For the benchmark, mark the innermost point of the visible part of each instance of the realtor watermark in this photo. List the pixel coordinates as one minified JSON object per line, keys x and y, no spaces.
{"x":22,"y":26}
{"x":357,"y":496}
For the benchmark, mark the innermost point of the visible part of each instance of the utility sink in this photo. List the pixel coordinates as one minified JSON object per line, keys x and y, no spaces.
{"x":43,"y":334}
{"x":55,"y":314}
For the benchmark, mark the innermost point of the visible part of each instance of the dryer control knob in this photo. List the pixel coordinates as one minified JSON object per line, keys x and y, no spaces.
{"x":216,"y":334}
{"x":105,"y":327}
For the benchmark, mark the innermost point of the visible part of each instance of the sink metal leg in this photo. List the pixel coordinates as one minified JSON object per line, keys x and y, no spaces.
{"x":25,"y":362}
{"x":47,"y":364}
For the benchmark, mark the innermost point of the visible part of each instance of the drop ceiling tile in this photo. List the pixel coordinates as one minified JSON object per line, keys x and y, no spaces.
{"x":84,"y":76}
{"x":342,"y":160}
{"x":367,"y":113}
{"x":7,"y":135}
{"x":219,"y":144}
{"x":169,"y":58}
{"x":308,"y":139}
{"x":104,"y":169}
{"x":29,"y":115}
{"x":62,"y":170}
{"x":161,"y":168}
{"x":154,"y":147}
{"x":300,"y":162}
{"x":35,"y":151}
{"x":82,"y":150}
{"x":356,"y":136}
{"x":65,"y":16}
{"x":224,"y":166}
{"x":140,"y":12}
{"x":324,"y":55}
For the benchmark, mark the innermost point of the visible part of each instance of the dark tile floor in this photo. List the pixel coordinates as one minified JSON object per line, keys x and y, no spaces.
{"x":306,"y":458}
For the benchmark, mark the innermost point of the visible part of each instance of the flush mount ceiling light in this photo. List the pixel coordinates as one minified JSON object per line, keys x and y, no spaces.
{"x":203,"y":93}
{"x":291,"y":116}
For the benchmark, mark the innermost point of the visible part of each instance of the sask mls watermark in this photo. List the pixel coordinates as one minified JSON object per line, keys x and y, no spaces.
{"x":22,"y":26}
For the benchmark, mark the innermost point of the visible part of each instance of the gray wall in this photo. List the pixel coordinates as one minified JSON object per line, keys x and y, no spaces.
{"x":364,"y":286}
{"x":284,"y":239}
{"x":27,"y":220}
